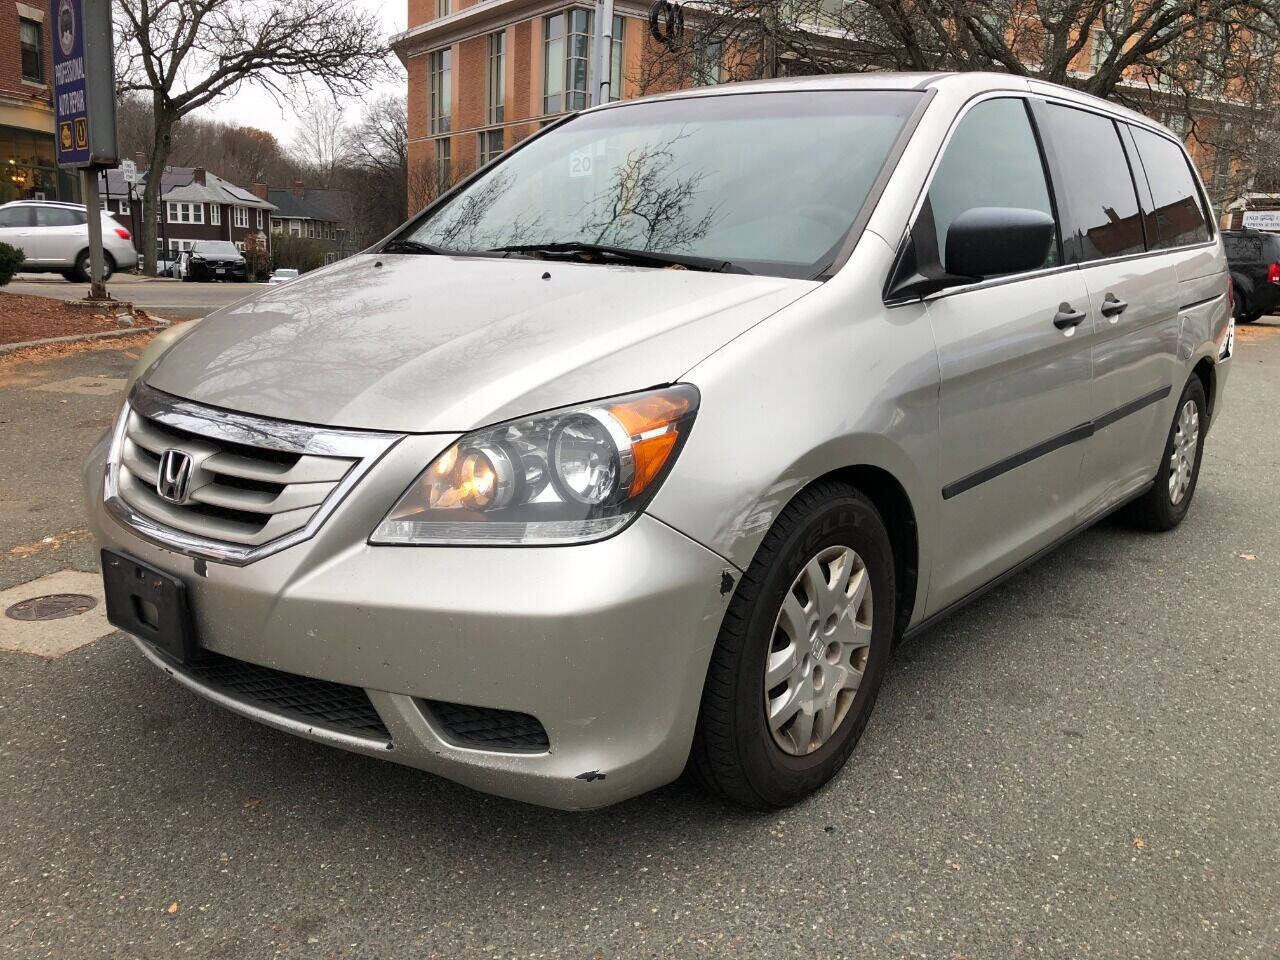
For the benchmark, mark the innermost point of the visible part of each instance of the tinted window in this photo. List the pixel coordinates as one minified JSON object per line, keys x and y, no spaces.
{"x":992,"y":161}
{"x":58,"y":217}
{"x":1178,"y":211}
{"x":1145,"y":201}
{"x":15,"y":217}
{"x":1243,"y":248}
{"x":1100,"y":217}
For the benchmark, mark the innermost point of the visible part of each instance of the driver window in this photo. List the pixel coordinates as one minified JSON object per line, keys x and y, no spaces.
{"x":992,"y":161}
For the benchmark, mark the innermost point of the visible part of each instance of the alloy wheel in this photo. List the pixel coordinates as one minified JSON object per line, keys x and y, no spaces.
{"x":821,"y":640}
{"x":1182,"y":461}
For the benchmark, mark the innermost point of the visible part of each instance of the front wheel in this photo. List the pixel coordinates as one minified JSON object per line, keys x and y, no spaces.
{"x":1166,"y":503}
{"x":801,"y":652}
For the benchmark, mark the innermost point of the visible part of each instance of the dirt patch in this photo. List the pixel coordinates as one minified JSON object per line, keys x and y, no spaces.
{"x":24,"y":318}
{"x":21,"y":367}
{"x":1263,"y":329}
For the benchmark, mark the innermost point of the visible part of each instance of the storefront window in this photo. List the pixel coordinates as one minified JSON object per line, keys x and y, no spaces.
{"x":28,"y":168}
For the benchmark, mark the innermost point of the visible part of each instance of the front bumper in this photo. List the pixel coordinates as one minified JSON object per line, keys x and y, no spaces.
{"x":606,"y":644}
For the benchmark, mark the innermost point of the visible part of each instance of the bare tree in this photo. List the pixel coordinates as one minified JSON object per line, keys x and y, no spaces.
{"x":320,"y":140}
{"x":185,"y":54}
{"x":375,"y":172}
{"x":1210,"y":66}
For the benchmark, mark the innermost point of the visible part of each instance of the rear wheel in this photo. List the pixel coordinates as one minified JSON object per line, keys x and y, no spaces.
{"x":83,"y":269}
{"x":801,"y":652}
{"x":1167,"y":502}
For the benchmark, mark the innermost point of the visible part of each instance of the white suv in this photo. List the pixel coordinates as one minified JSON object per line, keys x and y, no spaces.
{"x":54,"y":237}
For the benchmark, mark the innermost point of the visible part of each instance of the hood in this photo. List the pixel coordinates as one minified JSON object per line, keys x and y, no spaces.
{"x":443,"y":344}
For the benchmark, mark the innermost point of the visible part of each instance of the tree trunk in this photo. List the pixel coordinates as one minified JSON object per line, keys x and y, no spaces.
{"x":164,"y":121}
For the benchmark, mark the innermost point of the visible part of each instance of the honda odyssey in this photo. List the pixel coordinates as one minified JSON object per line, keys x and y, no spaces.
{"x":640,"y":448}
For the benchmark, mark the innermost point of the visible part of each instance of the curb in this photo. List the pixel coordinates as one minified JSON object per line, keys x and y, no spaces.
{"x":160,"y":324}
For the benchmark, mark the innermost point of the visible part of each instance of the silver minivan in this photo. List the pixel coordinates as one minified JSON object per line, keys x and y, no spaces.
{"x":639,"y":449}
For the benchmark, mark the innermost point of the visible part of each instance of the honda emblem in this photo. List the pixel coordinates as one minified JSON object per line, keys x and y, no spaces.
{"x":174,"y":476}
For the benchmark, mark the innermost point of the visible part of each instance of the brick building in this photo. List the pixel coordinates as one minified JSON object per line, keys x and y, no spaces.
{"x":484,"y":74}
{"x":194,"y":205}
{"x":26,"y":108}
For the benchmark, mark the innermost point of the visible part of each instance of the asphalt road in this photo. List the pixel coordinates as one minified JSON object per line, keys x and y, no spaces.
{"x":1083,"y":764}
{"x":171,"y":299}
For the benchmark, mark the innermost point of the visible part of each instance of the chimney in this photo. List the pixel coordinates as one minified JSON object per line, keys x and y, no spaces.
{"x":198,"y":175}
{"x":140,"y":161}
{"x":299,"y":190}
{"x":259,"y":190}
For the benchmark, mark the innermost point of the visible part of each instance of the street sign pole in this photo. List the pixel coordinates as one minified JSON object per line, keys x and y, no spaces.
{"x":89,"y":187}
{"x":85,"y":107}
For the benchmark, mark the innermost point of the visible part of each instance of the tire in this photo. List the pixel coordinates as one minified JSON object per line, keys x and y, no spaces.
{"x":82,"y":270}
{"x":1161,"y":508}
{"x":736,"y":752}
{"x":70,"y":276}
{"x":1250,"y":317}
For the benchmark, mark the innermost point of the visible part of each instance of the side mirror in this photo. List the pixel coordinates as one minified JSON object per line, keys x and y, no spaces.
{"x":993,"y":241}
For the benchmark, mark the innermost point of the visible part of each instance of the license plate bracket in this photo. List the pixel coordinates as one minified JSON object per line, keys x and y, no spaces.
{"x":149,"y":604}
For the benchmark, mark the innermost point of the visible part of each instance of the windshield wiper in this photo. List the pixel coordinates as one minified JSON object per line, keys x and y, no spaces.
{"x":640,"y":258}
{"x":413,"y":246}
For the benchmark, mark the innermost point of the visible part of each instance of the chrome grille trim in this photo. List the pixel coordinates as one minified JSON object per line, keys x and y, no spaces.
{"x":331,"y":463}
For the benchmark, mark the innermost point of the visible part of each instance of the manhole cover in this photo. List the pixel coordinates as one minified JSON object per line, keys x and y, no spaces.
{"x":55,"y":606}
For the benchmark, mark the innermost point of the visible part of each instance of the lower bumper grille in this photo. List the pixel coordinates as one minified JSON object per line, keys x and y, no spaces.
{"x":489,"y":729}
{"x":318,"y":702}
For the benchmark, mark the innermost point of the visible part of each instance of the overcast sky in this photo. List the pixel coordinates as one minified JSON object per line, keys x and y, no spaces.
{"x":254,"y":107}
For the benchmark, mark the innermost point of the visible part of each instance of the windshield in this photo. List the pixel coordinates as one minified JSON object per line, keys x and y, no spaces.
{"x":216,"y":248}
{"x":770,"y":182}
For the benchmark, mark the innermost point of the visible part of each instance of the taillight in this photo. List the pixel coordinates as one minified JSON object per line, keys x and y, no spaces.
{"x":122,"y":233}
{"x":1273,"y":273}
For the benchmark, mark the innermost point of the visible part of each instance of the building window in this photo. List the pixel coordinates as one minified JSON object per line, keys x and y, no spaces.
{"x":616,"y":59}
{"x":124,"y":206}
{"x":102,"y":202}
{"x":295,"y":228}
{"x":29,"y":34}
{"x":186,"y":212}
{"x":215,"y":214}
{"x":490,"y":145}
{"x":277,"y":226}
{"x":240,"y":216}
{"x":496,"y":94}
{"x":441,"y":70}
{"x":566,"y":59}
{"x":1100,"y":50}
{"x":708,"y":64}
{"x":443,"y":8}
{"x":259,"y":219}
{"x":444,"y":158}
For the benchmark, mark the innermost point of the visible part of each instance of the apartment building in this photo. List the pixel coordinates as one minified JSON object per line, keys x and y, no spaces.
{"x":484,"y":74}
{"x":27,"y":156}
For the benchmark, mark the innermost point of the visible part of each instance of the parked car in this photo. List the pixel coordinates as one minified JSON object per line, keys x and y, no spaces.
{"x":54,"y":236}
{"x":214,"y":260}
{"x":283,"y":275}
{"x":1254,"y":260}
{"x":589,"y":473}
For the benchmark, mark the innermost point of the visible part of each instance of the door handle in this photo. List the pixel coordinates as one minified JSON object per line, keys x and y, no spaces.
{"x":1112,"y":306}
{"x":1066,"y":317}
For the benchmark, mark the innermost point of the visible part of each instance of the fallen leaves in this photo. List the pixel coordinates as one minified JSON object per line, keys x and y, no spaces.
{"x":52,"y":542}
{"x":1139,"y":843}
{"x":173,"y":907}
{"x":1248,"y":556}
{"x":250,"y":803}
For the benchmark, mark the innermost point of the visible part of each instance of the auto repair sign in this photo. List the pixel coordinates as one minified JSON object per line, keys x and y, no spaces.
{"x":83,"y":83}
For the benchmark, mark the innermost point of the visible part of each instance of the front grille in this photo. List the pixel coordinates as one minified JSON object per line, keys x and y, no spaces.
{"x":239,"y":494}
{"x":318,"y":702}
{"x":489,"y":729}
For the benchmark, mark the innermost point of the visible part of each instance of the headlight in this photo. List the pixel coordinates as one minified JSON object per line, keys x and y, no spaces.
{"x":566,"y":476}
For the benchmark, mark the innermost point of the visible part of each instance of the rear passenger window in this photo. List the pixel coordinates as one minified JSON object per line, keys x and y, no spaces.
{"x":1101,"y":218}
{"x":58,"y":217}
{"x":993,"y":160}
{"x":1178,"y":208}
